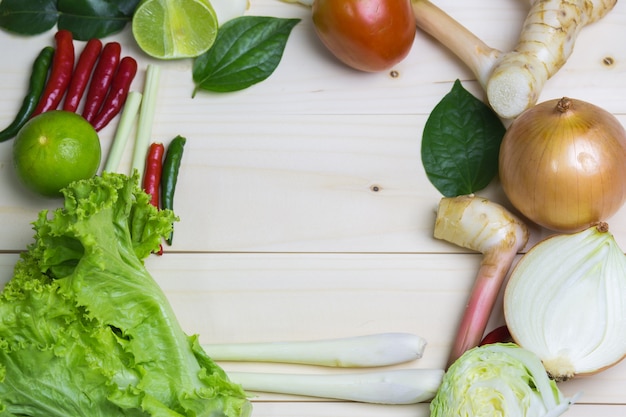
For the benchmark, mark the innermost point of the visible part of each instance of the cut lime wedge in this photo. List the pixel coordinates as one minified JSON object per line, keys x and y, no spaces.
{"x":174,"y":29}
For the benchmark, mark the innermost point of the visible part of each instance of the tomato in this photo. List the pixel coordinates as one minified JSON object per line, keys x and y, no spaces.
{"x":369,"y":35}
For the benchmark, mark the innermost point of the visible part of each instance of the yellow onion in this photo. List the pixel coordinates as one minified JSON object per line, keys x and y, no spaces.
{"x":563,"y":164}
{"x":565,"y":301}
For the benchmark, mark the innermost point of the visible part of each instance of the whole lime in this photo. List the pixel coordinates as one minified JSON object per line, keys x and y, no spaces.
{"x":54,"y":149}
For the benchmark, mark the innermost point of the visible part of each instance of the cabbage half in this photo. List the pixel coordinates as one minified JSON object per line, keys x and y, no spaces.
{"x":498,"y":380}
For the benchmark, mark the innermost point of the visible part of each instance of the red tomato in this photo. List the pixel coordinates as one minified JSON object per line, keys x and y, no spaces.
{"x":369,"y":35}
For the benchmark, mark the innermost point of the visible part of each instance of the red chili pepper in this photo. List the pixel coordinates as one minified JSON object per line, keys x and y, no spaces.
{"x":152,"y":176}
{"x":498,"y":335}
{"x":118,"y":92}
{"x":101,"y":79}
{"x":60,"y":73}
{"x":82,"y":74}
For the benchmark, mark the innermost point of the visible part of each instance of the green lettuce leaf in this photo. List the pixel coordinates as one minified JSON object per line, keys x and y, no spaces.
{"x":86,"y":330}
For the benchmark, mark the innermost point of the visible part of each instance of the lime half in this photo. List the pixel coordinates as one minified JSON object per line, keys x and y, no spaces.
{"x":173,"y":29}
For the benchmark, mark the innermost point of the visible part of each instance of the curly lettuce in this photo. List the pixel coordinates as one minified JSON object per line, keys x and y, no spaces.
{"x":86,"y":331}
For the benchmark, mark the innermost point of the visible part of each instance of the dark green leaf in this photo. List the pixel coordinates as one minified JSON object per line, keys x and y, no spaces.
{"x":246,"y":51}
{"x":88,"y":19}
{"x":84,"y":18}
{"x":460,"y":143}
{"x":28,"y":17}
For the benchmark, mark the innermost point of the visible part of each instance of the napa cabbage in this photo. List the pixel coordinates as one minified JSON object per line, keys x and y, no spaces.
{"x":500,"y":379}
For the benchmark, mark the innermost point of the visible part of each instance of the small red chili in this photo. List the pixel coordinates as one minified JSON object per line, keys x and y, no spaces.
{"x":498,"y":335}
{"x":153,"y":170}
{"x":60,"y":73}
{"x":82,"y":74}
{"x":101,"y":79}
{"x":152,"y":176}
{"x":118,"y":92}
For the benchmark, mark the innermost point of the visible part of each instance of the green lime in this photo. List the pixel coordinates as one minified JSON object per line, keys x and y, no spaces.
{"x":172,"y":29}
{"x":54,"y":149}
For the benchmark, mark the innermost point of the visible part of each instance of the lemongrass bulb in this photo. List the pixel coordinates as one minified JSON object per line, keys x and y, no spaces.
{"x":563,"y":164}
{"x":566,"y":302}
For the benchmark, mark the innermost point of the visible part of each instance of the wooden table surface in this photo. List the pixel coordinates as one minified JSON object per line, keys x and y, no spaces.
{"x":305,"y":211}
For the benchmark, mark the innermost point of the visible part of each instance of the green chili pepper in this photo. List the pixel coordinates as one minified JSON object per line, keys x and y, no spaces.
{"x":37,"y":82}
{"x":169,"y":175}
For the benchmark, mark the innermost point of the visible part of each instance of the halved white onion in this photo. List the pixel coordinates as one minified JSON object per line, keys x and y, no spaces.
{"x":566,"y":302}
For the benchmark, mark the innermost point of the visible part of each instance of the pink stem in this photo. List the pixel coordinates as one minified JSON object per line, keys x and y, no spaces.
{"x":493,"y":269}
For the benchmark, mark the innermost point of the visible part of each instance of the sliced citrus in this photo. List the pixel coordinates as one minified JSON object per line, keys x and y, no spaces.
{"x":54,"y":149}
{"x":174,"y":29}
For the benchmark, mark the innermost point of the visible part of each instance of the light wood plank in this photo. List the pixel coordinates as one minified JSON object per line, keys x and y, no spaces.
{"x":293,"y":184}
{"x":238,"y":298}
{"x":275,"y":409}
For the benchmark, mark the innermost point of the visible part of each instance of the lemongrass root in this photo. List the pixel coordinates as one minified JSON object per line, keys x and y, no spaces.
{"x":513,"y":80}
{"x":481,"y":225}
{"x":545,"y":44}
{"x":404,"y":386}
{"x":381,"y":349}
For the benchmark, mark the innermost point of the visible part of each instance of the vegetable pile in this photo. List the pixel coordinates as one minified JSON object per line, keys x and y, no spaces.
{"x":81,"y":298}
{"x":161,"y":175}
{"x":100,"y":71}
{"x":561,"y":164}
{"x":85,"y":326}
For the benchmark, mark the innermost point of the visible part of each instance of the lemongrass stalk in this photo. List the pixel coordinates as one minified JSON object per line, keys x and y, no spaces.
{"x":544,"y":46}
{"x":381,"y":349}
{"x":146,"y":119}
{"x":484,"y":226}
{"x":479,"y":57}
{"x":404,"y":386}
{"x":127,"y":120}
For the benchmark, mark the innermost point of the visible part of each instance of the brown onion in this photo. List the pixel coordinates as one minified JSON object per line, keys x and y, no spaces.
{"x":563,"y":164}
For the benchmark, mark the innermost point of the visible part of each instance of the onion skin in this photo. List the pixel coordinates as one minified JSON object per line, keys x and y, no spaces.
{"x":563,"y":163}
{"x":367,"y":35}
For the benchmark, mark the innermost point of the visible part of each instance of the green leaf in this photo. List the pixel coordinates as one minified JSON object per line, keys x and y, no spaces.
{"x":28,"y":17}
{"x":460,"y":143}
{"x":86,"y":19}
{"x":246,"y":51}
